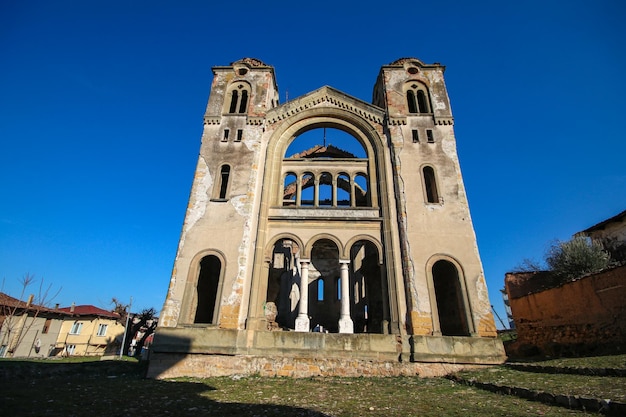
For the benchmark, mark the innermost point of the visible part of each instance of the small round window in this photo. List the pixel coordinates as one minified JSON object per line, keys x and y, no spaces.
{"x":412,"y":70}
{"x":242,"y":71}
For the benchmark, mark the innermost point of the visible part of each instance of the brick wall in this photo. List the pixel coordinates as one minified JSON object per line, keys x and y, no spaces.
{"x":577,"y":317}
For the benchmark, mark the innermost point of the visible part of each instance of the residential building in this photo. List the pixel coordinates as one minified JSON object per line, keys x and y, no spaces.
{"x":88,"y":331}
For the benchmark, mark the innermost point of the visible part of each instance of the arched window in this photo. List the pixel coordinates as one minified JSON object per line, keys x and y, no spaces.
{"x":430,"y":185}
{"x":290,"y":189}
{"x":410,"y":98}
{"x":222,"y":188}
{"x":417,"y":98}
{"x":320,"y":289}
{"x":238,"y":94}
{"x":207,"y":290}
{"x":422,"y":103}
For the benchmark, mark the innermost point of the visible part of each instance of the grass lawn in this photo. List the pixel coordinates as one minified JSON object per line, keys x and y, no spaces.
{"x":612,"y":361}
{"x":585,"y":386}
{"x":114,"y":388}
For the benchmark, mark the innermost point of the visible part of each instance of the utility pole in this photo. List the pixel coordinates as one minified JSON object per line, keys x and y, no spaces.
{"x":130,"y":306}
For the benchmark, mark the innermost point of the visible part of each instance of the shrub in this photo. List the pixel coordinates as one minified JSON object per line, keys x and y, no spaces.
{"x":576,"y":257}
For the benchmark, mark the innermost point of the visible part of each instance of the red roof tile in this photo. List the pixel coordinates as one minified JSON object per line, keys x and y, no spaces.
{"x":89,"y":310}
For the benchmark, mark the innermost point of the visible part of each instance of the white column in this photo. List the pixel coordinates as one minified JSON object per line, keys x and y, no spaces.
{"x":334,"y":185}
{"x":299,"y":180}
{"x":345,"y":322}
{"x":302,"y":321}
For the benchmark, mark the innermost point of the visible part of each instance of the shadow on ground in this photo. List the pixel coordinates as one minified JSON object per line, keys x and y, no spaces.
{"x":114,"y":388}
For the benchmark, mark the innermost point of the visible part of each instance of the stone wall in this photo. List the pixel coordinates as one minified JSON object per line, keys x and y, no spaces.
{"x":202,"y":366}
{"x":577,"y":317}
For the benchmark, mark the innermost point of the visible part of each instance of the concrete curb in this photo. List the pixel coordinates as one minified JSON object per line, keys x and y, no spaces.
{"x":575,"y":402}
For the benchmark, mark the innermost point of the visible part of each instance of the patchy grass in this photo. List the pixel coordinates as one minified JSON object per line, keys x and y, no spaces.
{"x":115,"y":388}
{"x":587,"y":386}
{"x":612,"y":361}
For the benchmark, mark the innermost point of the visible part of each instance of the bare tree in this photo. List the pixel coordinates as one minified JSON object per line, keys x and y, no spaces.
{"x":14,"y":311}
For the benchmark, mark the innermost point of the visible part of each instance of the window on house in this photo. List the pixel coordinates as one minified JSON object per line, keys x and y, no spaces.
{"x":416,"y":137}
{"x":429,"y":136}
{"x":226,"y":133}
{"x":239,"y":135}
{"x":46,"y":326}
{"x":70,"y":349}
{"x":3,"y":351}
{"x":76,"y":328}
{"x":102,"y":329}
{"x":430,"y":183}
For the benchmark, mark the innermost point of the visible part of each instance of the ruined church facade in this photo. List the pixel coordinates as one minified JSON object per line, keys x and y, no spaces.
{"x":304,"y":256}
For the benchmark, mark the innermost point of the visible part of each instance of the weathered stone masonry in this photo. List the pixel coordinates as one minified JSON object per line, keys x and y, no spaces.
{"x":326,"y":261}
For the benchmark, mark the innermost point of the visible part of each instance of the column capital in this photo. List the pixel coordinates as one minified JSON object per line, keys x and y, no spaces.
{"x":344,"y":261}
{"x":304,"y":261}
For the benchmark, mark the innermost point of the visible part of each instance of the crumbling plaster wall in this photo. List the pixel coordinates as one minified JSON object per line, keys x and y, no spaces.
{"x":445,"y":228}
{"x":572,"y":317}
{"x":230,"y":227}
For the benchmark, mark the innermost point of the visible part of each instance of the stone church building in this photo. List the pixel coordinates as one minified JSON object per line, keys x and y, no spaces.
{"x":326,"y":235}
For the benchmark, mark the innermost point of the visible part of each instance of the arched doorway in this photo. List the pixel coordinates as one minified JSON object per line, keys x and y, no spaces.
{"x":207,"y":290}
{"x":324,"y":286}
{"x":450,"y":304}
{"x":283,"y":293}
{"x":369,"y":308}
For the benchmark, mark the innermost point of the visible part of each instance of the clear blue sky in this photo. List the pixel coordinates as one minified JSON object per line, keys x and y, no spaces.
{"x":101,"y":106}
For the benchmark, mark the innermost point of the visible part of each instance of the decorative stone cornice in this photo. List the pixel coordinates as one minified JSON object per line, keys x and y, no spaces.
{"x":444,"y":120}
{"x":212,"y":120}
{"x":330,"y":96}
{"x":255,"y":120}
{"x":397,"y":121}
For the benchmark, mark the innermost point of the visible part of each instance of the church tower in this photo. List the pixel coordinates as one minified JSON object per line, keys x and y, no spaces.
{"x":326,"y":229}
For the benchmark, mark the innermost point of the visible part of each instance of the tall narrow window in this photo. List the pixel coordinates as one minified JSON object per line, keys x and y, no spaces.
{"x":432,"y":196}
{"x":320,"y":289}
{"x":415,"y":134}
{"x":233,"y":101}
{"x":338,"y":288}
{"x":226,"y":134}
{"x":239,"y":135}
{"x":243,"y":106}
{"x":224,"y":174}
{"x":410,"y":98}
{"x":421,"y":102}
{"x":429,"y":136}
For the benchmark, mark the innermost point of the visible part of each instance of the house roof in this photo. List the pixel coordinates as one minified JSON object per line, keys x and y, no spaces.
{"x":89,"y":310}
{"x":602,"y":224}
{"x":11,"y":302}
